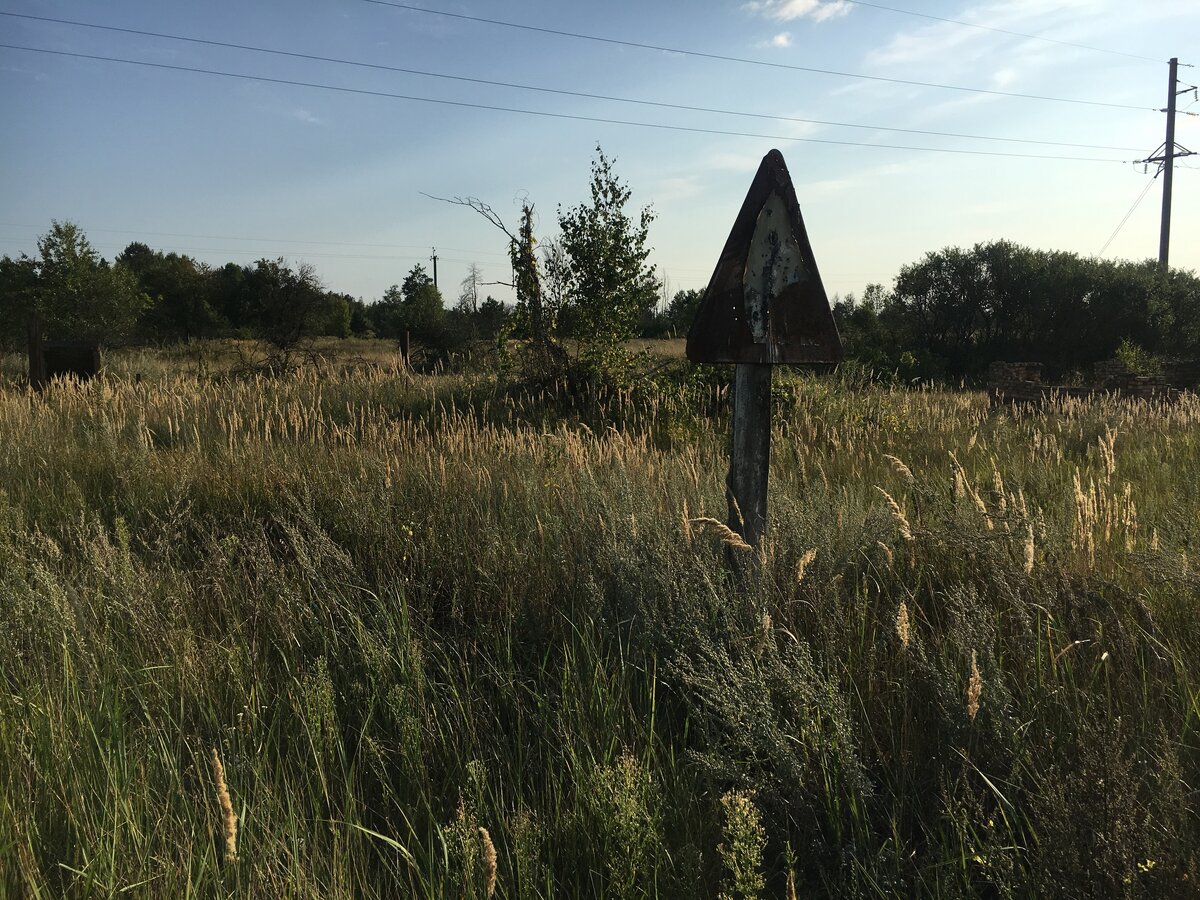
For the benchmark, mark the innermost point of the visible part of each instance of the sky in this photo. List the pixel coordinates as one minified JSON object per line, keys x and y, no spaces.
{"x":240,"y":168}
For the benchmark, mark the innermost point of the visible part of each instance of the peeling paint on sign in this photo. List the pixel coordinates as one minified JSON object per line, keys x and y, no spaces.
{"x":774,"y":262}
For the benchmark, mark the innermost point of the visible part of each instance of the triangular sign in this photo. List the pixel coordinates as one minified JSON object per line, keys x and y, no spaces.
{"x":765,"y":303}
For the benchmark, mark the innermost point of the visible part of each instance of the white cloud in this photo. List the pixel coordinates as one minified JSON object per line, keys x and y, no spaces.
{"x":789,"y":10}
{"x":1059,"y":19}
{"x":1003,"y":78}
{"x":305,"y":116}
{"x":678,"y":188}
{"x":783,"y":39}
{"x":732,"y":162}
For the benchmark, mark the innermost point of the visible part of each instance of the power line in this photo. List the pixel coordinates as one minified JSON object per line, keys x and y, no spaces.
{"x":235,"y":237}
{"x":750,"y":62}
{"x":549,"y":90}
{"x":305,"y":254}
{"x":1121,"y":224}
{"x":1020,"y":34}
{"x":556,"y":115}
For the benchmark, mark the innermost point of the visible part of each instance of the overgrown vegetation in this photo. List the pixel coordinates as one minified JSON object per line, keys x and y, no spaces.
{"x":583,"y":291}
{"x":446,"y":642}
{"x":955,"y":311}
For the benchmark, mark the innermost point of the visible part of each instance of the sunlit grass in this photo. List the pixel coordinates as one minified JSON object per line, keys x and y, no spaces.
{"x":404,"y":609}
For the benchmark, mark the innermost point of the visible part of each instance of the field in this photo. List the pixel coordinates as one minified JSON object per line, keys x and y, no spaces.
{"x":447,"y":639}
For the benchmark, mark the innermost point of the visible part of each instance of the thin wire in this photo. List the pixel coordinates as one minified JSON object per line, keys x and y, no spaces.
{"x":1121,"y":224}
{"x":557,"y":115}
{"x":549,"y":90}
{"x":1021,"y":34}
{"x":234,"y":237}
{"x":746,"y":61}
{"x":307,"y":254}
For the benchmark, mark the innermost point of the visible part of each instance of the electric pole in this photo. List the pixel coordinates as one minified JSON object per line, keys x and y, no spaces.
{"x":433,"y":256}
{"x":1170,"y":151}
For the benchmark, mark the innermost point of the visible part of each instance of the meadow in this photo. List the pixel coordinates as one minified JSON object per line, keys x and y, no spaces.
{"x":352,"y":632}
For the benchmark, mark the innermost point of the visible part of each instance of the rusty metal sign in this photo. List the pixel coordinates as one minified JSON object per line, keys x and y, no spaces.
{"x":765,"y":303}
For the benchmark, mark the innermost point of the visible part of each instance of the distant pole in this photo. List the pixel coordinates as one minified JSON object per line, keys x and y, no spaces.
{"x":433,"y":255}
{"x":1164,"y":238}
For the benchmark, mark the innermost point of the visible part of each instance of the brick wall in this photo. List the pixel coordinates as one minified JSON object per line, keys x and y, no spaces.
{"x":1022,"y":382}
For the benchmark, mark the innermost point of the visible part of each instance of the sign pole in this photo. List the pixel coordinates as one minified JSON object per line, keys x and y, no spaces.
{"x":764,"y":306}
{"x":750,"y":451}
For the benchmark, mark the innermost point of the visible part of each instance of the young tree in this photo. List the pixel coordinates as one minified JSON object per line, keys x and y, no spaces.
{"x":609,"y":283}
{"x":78,"y":294}
{"x":422,"y":312}
{"x":492,"y":317}
{"x":285,"y":306}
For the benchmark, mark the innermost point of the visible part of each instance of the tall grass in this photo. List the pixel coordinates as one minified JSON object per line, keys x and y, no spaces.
{"x":448,"y":641}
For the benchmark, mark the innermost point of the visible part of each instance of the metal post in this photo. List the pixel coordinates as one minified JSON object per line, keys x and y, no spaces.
{"x":1164,"y":239}
{"x":750,"y":451}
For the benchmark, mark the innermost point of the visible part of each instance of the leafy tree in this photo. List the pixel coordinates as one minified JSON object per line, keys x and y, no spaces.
{"x":229,"y":294}
{"x":414,"y":308}
{"x":957,"y":310}
{"x":423,"y":313}
{"x":179,"y":290}
{"x":361,"y":324}
{"x":387,"y":317}
{"x":78,"y":294}
{"x":18,"y":286}
{"x":681,"y":311}
{"x":492,"y":317}
{"x":339,"y":316}
{"x":609,"y":285}
{"x":860,"y":323}
{"x":285,"y":306}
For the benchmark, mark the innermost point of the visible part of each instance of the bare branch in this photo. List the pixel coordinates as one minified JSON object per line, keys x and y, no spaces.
{"x":480,"y":207}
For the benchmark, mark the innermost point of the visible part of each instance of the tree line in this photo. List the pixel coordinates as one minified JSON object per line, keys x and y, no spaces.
{"x":581,"y":294}
{"x":150,"y":296}
{"x":953,"y":312}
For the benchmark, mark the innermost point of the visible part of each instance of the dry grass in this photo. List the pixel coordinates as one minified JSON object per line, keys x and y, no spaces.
{"x":389,"y":598}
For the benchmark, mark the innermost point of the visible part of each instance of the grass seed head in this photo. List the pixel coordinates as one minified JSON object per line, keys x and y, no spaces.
{"x":228,"y":816}
{"x":974,"y":688}
{"x":898,"y":464}
{"x":903,"y":626}
{"x":728,"y":536}
{"x":804,"y":562}
{"x":897,"y":514}
{"x":489,"y":863}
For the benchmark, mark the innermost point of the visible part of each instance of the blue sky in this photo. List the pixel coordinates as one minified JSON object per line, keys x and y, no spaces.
{"x":235,"y":168}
